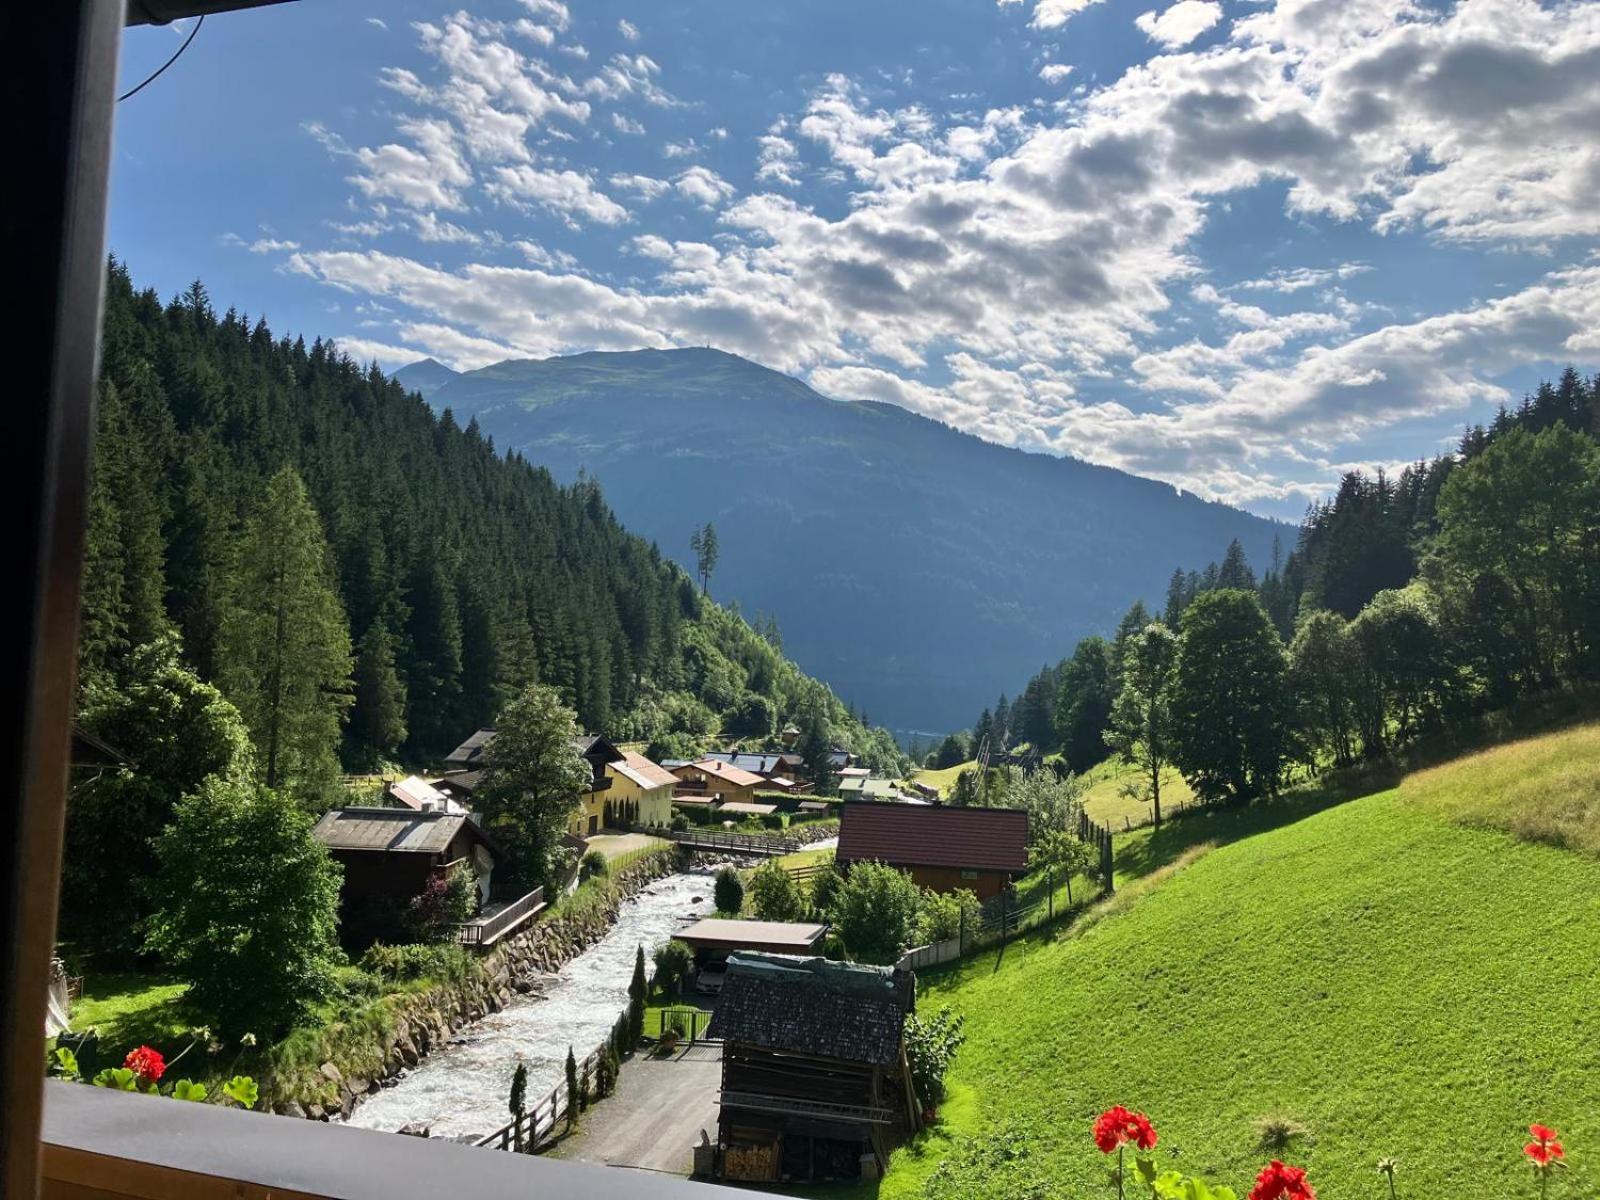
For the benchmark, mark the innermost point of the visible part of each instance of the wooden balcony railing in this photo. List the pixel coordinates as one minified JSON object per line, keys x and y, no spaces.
{"x":490,"y":928}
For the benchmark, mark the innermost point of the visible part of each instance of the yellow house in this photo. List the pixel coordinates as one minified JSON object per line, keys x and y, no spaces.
{"x":638,"y":781}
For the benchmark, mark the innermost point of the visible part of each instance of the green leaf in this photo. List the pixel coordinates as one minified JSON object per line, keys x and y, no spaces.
{"x":120,"y":1078}
{"x":186,"y":1090}
{"x":1169,"y":1186}
{"x":67,"y":1062}
{"x":1147,"y":1170}
{"x":243,"y":1089}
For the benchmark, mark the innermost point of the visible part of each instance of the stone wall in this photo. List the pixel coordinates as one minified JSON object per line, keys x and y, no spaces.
{"x":359,"y":1061}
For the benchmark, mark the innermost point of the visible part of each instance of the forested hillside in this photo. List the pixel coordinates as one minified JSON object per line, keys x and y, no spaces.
{"x":457,"y":575}
{"x":916,"y":568}
{"x":1408,"y":606}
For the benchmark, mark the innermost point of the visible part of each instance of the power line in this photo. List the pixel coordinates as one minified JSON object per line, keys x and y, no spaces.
{"x":152,"y":78}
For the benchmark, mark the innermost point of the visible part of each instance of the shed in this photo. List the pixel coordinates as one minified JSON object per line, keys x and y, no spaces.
{"x":714,"y":938}
{"x":814,"y":1075}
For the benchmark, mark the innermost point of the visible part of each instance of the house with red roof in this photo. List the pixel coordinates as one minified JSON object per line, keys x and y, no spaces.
{"x":943,"y":848}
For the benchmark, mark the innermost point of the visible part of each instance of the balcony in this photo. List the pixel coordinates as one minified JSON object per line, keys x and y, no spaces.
{"x":110,"y":1144}
{"x":499,"y":918}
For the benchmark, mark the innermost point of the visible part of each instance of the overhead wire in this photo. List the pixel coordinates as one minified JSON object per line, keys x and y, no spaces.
{"x":149,"y":79}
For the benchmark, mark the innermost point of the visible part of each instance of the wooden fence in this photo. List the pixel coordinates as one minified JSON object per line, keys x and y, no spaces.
{"x":765,"y":844}
{"x":486,"y":932}
{"x":539,"y":1121}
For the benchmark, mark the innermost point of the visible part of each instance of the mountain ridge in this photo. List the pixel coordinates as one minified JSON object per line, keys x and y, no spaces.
{"x":883,"y":541}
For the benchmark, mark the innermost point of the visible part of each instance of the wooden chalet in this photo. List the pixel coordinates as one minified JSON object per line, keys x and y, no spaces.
{"x":713,"y":777}
{"x":815,"y":1084}
{"x":388,"y":854}
{"x":943,"y":848}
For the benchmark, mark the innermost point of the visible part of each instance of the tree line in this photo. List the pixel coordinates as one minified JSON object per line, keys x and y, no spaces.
{"x":1408,"y":607}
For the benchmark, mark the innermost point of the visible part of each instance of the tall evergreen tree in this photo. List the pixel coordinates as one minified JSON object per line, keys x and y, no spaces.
{"x":285,"y":647}
{"x":378,"y":721}
{"x":1088,"y":689}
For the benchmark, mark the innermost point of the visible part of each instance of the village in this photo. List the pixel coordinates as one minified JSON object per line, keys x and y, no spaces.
{"x":770,"y":1052}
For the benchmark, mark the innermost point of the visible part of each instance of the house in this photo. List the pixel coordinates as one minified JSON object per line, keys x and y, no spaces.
{"x":712,"y":777}
{"x":815,"y":1084}
{"x":767,"y":764}
{"x":419,"y":795}
{"x":590,"y":816}
{"x":469,"y":755}
{"x":643,"y":785}
{"x":943,"y":848}
{"x":389,"y":854}
{"x":860,"y":787}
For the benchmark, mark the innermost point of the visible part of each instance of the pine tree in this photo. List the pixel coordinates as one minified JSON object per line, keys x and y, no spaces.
{"x":378,"y":722}
{"x":573,"y":1094}
{"x":638,"y":992}
{"x":285,"y":648}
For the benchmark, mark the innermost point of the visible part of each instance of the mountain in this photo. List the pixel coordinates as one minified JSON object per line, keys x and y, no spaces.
{"x":425,"y":377}
{"x":917,"y":569}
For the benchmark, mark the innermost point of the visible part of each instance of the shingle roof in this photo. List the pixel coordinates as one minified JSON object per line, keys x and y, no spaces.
{"x":643,"y":772}
{"x":910,"y":835}
{"x":392,"y":829}
{"x":470,"y":752}
{"x":813,"y":1006}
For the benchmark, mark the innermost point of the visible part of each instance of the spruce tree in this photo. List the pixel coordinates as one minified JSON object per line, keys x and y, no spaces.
{"x":378,"y":722}
{"x":638,"y":991}
{"x":573,"y":1093}
{"x":285,"y":648}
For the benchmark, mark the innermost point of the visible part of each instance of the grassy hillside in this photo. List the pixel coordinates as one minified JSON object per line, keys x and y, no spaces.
{"x":1397,"y":974}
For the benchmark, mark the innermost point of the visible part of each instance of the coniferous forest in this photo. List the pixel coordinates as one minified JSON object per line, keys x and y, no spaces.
{"x":1409,"y":605}
{"x":301,"y":528}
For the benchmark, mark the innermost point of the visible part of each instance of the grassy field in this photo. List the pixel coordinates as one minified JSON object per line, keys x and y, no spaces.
{"x":943,"y":780}
{"x":1399,"y":974}
{"x":1104,"y":802}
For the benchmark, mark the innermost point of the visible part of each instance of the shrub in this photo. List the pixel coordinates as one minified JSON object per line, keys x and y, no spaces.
{"x":825,"y":885}
{"x":594,"y":864}
{"x":947,"y":914}
{"x":875,"y":912}
{"x":679,"y":822}
{"x":774,"y":895}
{"x":930,"y":1045}
{"x":729,"y":892}
{"x":445,"y":901}
{"x":673,"y":962}
{"x":404,"y":964}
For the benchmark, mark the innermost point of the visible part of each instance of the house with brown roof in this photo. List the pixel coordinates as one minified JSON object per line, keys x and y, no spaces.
{"x":815,"y":1084}
{"x":726,"y":783}
{"x":640,"y":791}
{"x":943,"y":848}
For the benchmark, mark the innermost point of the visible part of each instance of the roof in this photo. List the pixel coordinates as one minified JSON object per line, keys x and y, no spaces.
{"x":813,"y":806}
{"x":91,"y":751}
{"x":726,"y":934}
{"x":417,"y":793}
{"x":723,"y":771}
{"x":813,"y":1006}
{"x":762,"y":763}
{"x":694,"y":801}
{"x":596,"y":749}
{"x":459,"y":783}
{"x":393,"y":830}
{"x":470,"y":752}
{"x":911,"y":835}
{"x":752,"y":810}
{"x":854,"y":772}
{"x":882,"y":789}
{"x":642,"y":771}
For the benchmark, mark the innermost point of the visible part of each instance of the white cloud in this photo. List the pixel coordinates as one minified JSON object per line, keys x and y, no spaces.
{"x":703,"y":186}
{"x":364,"y":350}
{"x":1053,"y":14}
{"x":566,"y":193}
{"x":1180,"y":24}
{"x":646,"y":186}
{"x":269,"y":245}
{"x":626,"y":124}
{"x":1053,"y":73}
{"x":628,"y":30}
{"x":377,"y":21}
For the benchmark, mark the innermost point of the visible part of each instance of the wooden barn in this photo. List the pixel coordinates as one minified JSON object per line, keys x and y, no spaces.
{"x":814,"y":1079}
{"x":943,"y":848}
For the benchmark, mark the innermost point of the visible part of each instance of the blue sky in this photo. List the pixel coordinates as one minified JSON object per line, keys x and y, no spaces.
{"x":1236,"y":245}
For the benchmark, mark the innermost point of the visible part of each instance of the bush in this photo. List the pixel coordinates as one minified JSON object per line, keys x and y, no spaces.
{"x":825,"y":885}
{"x":444,"y":902}
{"x":679,"y":822}
{"x":946,"y":915}
{"x":405,"y":964}
{"x":774,"y":895}
{"x":246,"y":907}
{"x":673,"y":962}
{"x":729,"y":892}
{"x":593,"y":864}
{"x":876,"y":912}
{"x":930,"y":1045}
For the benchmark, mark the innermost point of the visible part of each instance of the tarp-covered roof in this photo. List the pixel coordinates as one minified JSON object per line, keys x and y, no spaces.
{"x":813,"y":1006}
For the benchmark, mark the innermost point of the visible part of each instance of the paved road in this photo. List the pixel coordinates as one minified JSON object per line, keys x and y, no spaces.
{"x":654,"y":1118}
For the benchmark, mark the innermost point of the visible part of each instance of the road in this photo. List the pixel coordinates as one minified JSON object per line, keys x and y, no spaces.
{"x":654,"y":1118}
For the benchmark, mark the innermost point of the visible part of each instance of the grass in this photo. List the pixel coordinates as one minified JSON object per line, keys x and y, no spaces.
{"x":1104,"y":802}
{"x":943,"y":780}
{"x":129,"y":1009}
{"x":1404,"y":973}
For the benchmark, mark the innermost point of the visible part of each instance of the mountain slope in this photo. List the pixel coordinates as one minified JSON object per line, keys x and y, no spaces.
{"x":917,"y":569}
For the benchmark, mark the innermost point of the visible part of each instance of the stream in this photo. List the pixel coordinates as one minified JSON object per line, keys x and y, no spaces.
{"x":462,"y":1088}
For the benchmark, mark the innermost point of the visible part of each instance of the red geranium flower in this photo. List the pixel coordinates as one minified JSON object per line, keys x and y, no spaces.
{"x":1544,"y":1149}
{"x":146,"y":1063}
{"x":1279,"y":1181}
{"x":1118,"y":1127}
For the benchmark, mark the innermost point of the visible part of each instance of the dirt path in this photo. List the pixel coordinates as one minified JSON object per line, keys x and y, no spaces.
{"x":655,"y":1116}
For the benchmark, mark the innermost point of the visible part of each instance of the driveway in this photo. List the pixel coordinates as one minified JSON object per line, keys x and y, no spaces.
{"x":615,"y":845}
{"x":654,"y":1118}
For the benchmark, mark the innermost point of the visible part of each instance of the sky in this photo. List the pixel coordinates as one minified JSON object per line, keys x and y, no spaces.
{"x":1239,"y":246}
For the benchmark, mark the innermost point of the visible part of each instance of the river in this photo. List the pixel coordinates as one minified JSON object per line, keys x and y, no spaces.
{"x":463,"y":1088}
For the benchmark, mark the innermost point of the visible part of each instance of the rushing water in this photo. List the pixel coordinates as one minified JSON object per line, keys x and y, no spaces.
{"x":463,"y":1088}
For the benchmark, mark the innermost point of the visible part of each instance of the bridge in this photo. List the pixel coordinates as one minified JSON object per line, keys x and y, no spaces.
{"x":761,"y":845}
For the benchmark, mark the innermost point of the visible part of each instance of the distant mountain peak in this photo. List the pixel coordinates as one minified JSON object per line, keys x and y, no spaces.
{"x":426,"y":376}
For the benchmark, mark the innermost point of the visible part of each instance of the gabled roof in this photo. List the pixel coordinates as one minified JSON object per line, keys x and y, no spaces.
{"x":470,"y":752}
{"x":417,"y":793}
{"x":913,"y":835}
{"x":813,"y":1006}
{"x":733,"y":776}
{"x":596,"y":749}
{"x":762,"y":763}
{"x":642,"y":771}
{"x":394,"y":830}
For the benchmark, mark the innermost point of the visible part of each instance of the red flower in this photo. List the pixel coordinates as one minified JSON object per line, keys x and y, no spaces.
{"x":1278,"y":1180}
{"x":1118,"y":1127}
{"x":146,"y":1063}
{"x":1544,"y":1150}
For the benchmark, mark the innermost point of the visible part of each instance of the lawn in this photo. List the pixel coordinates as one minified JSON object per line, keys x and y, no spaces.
{"x":1104,"y":802}
{"x":1389,"y":973}
{"x":129,"y":1009}
{"x":943,"y":780}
